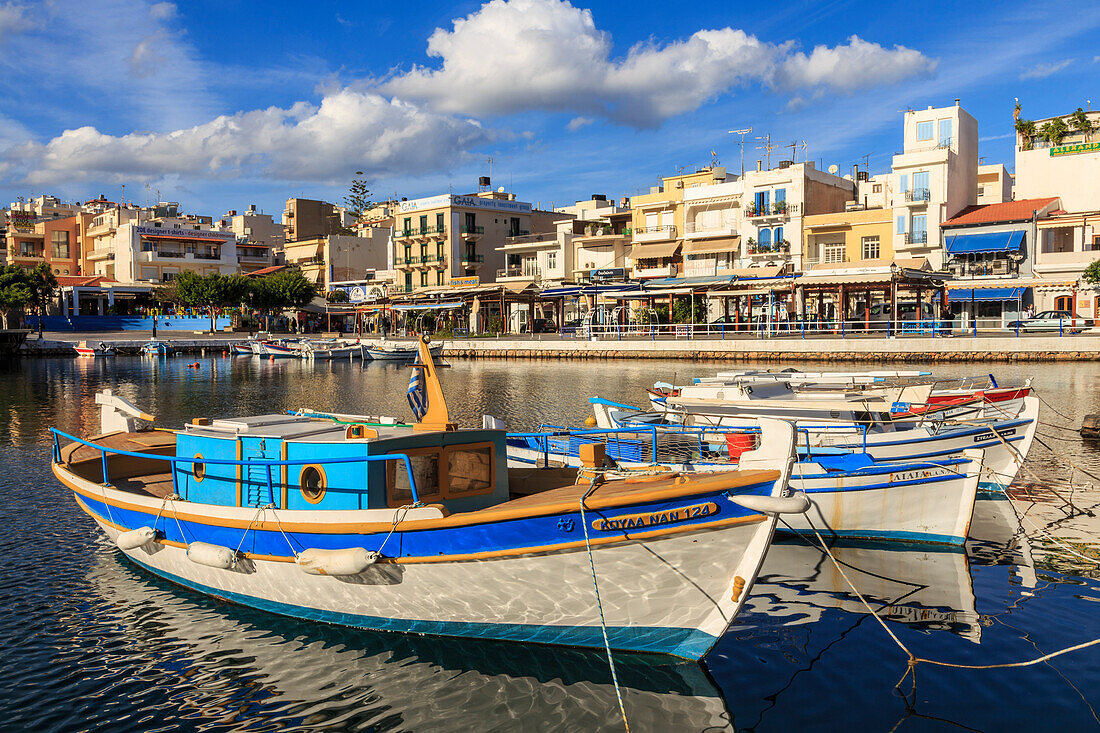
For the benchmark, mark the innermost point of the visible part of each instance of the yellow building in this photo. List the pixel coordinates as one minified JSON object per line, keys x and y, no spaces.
{"x":658,"y":224}
{"x":847,"y":238}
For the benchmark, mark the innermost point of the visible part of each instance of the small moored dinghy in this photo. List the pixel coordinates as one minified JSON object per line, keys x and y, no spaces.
{"x":424,"y":529}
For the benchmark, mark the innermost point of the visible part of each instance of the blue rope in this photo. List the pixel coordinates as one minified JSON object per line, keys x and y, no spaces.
{"x":599,"y":604}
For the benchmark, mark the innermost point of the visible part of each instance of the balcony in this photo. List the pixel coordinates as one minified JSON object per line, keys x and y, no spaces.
{"x":655,"y":234}
{"x":251,"y":258}
{"x":207,"y":256}
{"x":528,"y":272}
{"x":103,"y":253}
{"x":471,"y":232}
{"x":916,"y":237}
{"x":468,"y":258}
{"x":668,"y":270}
{"x":692,"y":230}
{"x":531,"y":241}
{"x":917,"y":195}
{"x":777,"y":210}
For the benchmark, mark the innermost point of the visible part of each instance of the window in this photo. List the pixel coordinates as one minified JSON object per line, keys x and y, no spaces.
{"x":439,"y":277}
{"x":408,"y":281}
{"x":423,"y":279}
{"x":198,"y":470}
{"x":439,"y":226}
{"x":945,"y":133}
{"x":469,"y":470}
{"x":452,"y":472}
{"x":779,"y":235}
{"x":551,"y":260}
{"x":423,"y":223}
{"x":513,"y":227}
{"x":832,"y":252}
{"x":871,"y":249}
{"x":920,"y":181}
{"x":780,"y":194}
{"x":763,"y":201}
{"x":904,"y":182}
{"x":765,"y":237}
{"x":876,"y":188}
{"x":1063,"y":303}
{"x":1057,"y":239}
{"x":924,"y":131}
{"x":60,"y":244}
{"x":901,"y":225}
{"x":1094,"y":245}
{"x":920,"y":223}
{"x":408,"y":225}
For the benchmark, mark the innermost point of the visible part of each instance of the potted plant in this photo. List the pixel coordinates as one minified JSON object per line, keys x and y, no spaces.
{"x":588,"y":230}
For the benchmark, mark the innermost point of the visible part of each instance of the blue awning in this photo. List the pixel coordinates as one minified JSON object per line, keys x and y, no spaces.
{"x":696,"y":281}
{"x":572,"y":291}
{"x":985,"y":294}
{"x":991,"y":242}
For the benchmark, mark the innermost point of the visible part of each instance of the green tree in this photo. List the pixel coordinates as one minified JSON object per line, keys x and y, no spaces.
{"x":42,"y":285}
{"x":280,"y":291}
{"x":1080,"y":122}
{"x":358,"y":199}
{"x":212,"y":292}
{"x":337,"y":296}
{"x":15,"y":291}
{"x":1026,"y":129}
{"x":1091,"y":274}
{"x":1054,"y":131}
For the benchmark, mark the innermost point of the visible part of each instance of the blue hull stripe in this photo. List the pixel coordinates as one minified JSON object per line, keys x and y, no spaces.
{"x":682,"y":642}
{"x":916,"y":537}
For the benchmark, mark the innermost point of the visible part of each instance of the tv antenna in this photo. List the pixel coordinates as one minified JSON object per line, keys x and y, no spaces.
{"x":794,"y":145}
{"x":742,"y":133}
{"x":867,"y":161}
{"x":767,"y":147}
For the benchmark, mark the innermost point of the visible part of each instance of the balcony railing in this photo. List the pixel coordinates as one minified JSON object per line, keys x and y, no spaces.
{"x":469,"y":257}
{"x":468,"y":229}
{"x":520,"y":271}
{"x":421,"y":232}
{"x":207,"y":256}
{"x":695,"y":228}
{"x":916,"y":237}
{"x":776,"y":208}
{"x":669,"y":229}
{"x":918,"y":194}
{"x":943,"y":144}
{"x":170,"y":255}
{"x":528,"y":238}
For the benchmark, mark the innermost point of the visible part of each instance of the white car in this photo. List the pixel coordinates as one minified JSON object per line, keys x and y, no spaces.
{"x":1062,"y":321}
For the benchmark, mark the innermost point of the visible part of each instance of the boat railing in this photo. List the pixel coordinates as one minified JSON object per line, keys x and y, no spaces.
{"x":268,"y":464}
{"x":663,"y":442}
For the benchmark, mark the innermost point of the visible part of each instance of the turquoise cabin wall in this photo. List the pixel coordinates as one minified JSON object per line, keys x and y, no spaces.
{"x":344,"y":482}
{"x":220,"y":484}
{"x":254,"y":483}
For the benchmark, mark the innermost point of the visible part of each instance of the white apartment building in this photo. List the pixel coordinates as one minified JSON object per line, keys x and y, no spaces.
{"x":601,"y":239}
{"x":994,"y":184}
{"x":1069,"y":239}
{"x":544,"y":258}
{"x":712,"y":228}
{"x":933,"y":178}
{"x":260,"y":239}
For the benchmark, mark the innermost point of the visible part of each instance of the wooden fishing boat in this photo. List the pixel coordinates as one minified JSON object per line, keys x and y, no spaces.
{"x":284,"y":350}
{"x":154,"y":348}
{"x":391,"y":352}
{"x":852,"y":495}
{"x":85,"y":350}
{"x":327,"y":350}
{"x":424,"y":529}
{"x":244,"y":348}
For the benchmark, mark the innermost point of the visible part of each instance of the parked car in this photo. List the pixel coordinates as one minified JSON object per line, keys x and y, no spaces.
{"x":540,"y":325}
{"x":904,"y":320}
{"x":1051,"y":321}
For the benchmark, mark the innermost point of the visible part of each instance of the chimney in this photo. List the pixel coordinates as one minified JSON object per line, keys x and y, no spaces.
{"x":956,"y":101}
{"x":855,"y":171}
{"x":759,"y":165}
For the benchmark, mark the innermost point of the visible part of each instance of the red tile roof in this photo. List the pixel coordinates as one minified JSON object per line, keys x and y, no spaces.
{"x":67,"y":281}
{"x":992,"y":213}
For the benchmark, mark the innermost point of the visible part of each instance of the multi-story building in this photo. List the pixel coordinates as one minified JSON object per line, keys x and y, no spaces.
{"x":99,"y":239}
{"x":1069,"y":238}
{"x":310,"y":219}
{"x":340,"y":258}
{"x":545,"y":258}
{"x":712,"y":226}
{"x":658,"y":224}
{"x":854,"y":238}
{"x":442,"y":237}
{"x":994,"y":184}
{"x":260,"y":238}
{"x":601,"y":239}
{"x":933,"y":178}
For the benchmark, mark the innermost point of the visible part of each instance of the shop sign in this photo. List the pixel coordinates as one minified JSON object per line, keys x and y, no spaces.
{"x":22,"y":221}
{"x":465,"y":282}
{"x":1075,"y":149}
{"x":608,"y":273}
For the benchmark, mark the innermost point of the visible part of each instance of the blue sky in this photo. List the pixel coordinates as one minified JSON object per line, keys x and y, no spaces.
{"x":222,"y":104}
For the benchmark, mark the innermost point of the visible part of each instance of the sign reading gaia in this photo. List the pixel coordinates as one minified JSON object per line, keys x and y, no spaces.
{"x":1075,"y":149}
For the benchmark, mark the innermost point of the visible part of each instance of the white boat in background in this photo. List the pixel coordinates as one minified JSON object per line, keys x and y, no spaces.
{"x":154,"y":348}
{"x":1004,"y":441}
{"x":85,"y":350}
{"x":285,"y":350}
{"x":245,"y":348}
{"x":390,"y":352}
{"x":327,"y":350}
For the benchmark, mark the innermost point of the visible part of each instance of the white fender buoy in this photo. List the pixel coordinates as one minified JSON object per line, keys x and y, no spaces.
{"x":214,"y":556}
{"x":135,"y":538}
{"x":796,"y":503}
{"x":349,"y":561}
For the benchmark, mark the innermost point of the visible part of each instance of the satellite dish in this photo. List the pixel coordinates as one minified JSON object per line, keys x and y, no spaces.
{"x":833,"y":169}
{"x":500,"y":190}
{"x":847,"y":176}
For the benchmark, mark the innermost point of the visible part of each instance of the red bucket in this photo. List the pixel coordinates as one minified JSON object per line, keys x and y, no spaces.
{"x":738,"y":443}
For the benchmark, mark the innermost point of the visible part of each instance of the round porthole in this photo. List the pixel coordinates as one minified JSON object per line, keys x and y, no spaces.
{"x":312,"y":483}
{"x":198,"y":470}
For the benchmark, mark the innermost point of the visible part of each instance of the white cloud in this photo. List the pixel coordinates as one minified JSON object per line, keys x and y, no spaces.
{"x":15,"y":18}
{"x":348,"y":131}
{"x":516,"y":55}
{"x":856,"y":65}
{"x":163,"y":11}
{"x":1042,"y":71}
{"x":145,"y":60}
{"x":578,"y":122}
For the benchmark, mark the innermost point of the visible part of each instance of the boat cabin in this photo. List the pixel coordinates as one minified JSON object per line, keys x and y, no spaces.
{"x":463,"y":470}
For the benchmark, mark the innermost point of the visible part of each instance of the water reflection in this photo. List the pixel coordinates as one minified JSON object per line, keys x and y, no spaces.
{"x":220,"y":661}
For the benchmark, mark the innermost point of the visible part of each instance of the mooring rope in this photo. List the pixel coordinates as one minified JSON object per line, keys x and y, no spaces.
{"x":596,"y":480}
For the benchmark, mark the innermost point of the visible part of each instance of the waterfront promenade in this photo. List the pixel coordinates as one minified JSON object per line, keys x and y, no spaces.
{"x":739,"y":347}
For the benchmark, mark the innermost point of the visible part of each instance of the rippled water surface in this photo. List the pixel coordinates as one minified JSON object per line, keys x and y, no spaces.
{"x":90,"y":642}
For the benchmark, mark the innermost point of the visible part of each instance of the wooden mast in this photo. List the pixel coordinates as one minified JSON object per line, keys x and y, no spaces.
{"x":437,"y":417}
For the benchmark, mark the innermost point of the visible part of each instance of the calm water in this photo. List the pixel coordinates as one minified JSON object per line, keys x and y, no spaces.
{"x":90,"y":642}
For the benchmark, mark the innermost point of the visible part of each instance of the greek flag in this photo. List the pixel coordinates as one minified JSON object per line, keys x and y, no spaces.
{"x":417,"y":395}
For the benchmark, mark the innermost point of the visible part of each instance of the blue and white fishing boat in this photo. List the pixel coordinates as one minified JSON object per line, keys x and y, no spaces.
{"x":278,"y":350}
{"x":852,"y":495}
{"x":244,"y":348}
{"x":1004,"y":441}
{"x":424,"y":529}
{"x":329,"y":349}
{"x":154,"y":348}
{"x":393,"y":352}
